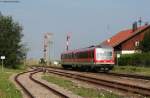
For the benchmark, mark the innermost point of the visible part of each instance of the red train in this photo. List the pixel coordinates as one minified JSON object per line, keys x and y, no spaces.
{"x":91,"y":58}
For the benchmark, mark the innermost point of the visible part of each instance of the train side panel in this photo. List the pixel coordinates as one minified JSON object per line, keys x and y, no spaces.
{"x":91,"y":59}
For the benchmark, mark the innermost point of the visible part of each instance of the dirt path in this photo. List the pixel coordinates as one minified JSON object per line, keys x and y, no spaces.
{"x":37,"y":90}
{"x":56,"y":87}
{"x":12,"y":79}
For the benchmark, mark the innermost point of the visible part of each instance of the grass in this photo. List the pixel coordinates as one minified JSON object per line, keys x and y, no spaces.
{"x":75,"y":88}
{"x":132,"y":69}
{"x":7,"y":88}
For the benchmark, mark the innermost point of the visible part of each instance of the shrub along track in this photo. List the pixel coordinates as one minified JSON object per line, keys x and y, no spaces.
{"x":135,"y":89}
{"x":37,"y":82}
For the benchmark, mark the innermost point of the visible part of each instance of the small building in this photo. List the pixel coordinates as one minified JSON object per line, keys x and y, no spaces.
{"x":127,"y":41}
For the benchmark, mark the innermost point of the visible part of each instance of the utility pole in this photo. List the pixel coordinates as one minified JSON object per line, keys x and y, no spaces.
{"x":2,"y":58}
{"x":45,"y":48}
{"x":47,"y":44}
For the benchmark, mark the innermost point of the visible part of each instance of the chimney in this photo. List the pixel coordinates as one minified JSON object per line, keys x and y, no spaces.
{"x":108,"y":40}
{"x":134,"y":26}
{"x":146,"y":23}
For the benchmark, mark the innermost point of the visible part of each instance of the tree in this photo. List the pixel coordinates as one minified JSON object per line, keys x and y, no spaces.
{"x":0,"y":14}
{"x":145,"y":43}
{"x":10,"y":41}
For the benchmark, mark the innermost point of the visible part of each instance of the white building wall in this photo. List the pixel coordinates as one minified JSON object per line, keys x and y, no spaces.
{"x":128,"y":51}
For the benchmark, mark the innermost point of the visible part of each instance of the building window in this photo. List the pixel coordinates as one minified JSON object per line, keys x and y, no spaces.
{"x":137,"y":43}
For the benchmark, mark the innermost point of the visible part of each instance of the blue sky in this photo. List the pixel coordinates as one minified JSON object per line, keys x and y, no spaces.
{"x":89,"y":21}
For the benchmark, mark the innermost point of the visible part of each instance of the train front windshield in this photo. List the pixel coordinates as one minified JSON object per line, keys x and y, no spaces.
{"x":104,"y":54}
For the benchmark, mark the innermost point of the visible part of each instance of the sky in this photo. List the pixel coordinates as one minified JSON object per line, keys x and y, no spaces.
{"x":89,"y":21}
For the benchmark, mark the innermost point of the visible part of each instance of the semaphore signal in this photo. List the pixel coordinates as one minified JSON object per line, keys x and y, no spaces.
{"x":67,"y":41}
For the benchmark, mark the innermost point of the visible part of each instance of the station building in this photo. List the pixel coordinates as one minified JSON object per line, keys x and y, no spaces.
{"x":127,"y":41}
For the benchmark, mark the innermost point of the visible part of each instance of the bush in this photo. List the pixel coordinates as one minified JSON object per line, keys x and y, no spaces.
{"x":11,"y":42}
{"x":138,"y":59}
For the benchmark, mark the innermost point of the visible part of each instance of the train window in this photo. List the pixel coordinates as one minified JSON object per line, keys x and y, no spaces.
{"x":108,"y":53}
{"x":81,"y":55}
{"x":84,"y":55}
{"x":99,"y":55}
{"x":76,"y":55}
{"x":63,"y":56}
{"x":68,"y":56}
{"x":104,"y":55}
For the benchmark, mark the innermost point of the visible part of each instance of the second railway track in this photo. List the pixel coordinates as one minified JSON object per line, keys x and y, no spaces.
{"x":135,"y":89}
{"x":27,"y":89}
{"x":135,"y":76}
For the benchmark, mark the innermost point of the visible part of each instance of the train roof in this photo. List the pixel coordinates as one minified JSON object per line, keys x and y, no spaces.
{"x":87,"y":48}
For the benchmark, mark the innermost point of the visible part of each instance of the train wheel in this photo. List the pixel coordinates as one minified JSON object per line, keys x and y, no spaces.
{"x":88,"y":68}
{"x":64,"y":66}
{"x":95,"y":69}
{"x":106,"y":71}
{"x":83,"y":68}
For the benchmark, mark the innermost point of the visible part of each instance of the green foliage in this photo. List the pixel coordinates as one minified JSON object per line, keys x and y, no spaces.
{"x":145,"y":43}
{"x":137,"y":59}
{"x":10,"y":41}
{"x":7,"y":89}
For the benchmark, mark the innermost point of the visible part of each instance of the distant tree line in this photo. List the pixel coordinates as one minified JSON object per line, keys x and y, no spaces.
{"x":10,"y":42}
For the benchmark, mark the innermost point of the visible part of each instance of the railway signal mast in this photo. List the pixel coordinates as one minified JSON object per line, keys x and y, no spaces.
{"x":67,"y":39}
{"x":47,"y":44}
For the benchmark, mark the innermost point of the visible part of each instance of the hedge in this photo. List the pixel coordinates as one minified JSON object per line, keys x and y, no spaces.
{"x":137,"y":59}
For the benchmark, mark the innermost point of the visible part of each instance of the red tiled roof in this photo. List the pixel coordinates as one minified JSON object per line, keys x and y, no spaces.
{"x":122,"y":36}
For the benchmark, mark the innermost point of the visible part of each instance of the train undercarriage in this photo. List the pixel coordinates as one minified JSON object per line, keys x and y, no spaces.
{"x":93,"y":68}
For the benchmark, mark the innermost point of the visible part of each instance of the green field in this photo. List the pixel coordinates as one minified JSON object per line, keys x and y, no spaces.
{"x":7,"y":88}
{"x":75,"y":88}
{"x":132,"y":69}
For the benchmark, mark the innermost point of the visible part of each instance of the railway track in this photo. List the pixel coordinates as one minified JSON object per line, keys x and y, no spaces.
{"x":135,"y":89}
{"x":135,"y":76}
{"x":22,"y":86}
{"x":31,"y":73}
